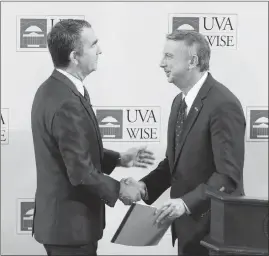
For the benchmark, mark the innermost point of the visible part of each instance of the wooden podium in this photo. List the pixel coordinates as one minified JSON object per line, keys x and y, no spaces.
{"x":239,"y":225}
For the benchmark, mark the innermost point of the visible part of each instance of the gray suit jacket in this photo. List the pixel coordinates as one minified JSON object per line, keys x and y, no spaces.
{"x":72,"y":189}
{"x":210,"y":155}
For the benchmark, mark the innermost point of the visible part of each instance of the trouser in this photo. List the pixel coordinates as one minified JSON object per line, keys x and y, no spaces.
{"x":89,"y":249}
{"x":193,"y":249}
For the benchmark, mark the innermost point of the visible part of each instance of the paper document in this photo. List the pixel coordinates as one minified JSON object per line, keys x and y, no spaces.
{"x":138,"y":227}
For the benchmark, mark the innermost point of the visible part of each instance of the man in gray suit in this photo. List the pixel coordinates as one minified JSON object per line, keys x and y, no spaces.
{"x":72,"y":166}
{"x":205,"y":143}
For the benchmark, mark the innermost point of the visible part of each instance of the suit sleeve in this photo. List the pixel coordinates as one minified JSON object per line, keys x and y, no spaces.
{"x":157,"y":181}
{"x":227,"y":128}
{"x":110,"y":161}
{"x":70,"y":130}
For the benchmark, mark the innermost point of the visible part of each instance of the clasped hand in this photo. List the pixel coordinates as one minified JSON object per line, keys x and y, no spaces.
{"x":131,"y":191}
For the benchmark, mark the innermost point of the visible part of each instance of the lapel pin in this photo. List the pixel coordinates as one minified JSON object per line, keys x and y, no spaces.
{"x":196,"y":109}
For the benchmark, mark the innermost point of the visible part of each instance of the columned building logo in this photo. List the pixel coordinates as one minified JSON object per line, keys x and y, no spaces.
{"x":110,"y":123}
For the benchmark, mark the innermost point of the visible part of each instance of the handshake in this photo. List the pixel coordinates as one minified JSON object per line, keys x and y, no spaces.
{"x":132,"y":191}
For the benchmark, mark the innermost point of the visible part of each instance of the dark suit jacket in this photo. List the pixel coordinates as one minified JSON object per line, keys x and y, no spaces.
{"x":72,"y":189}
{"x":211,"y":154}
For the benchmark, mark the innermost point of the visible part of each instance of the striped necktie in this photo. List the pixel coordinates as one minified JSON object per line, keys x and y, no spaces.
{"x":180,"y":121}
{"x":86,"y":95}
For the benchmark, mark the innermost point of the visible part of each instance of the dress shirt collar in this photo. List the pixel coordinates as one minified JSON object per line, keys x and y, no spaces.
{"x":79,"y":85}
{"x":190,"y":97}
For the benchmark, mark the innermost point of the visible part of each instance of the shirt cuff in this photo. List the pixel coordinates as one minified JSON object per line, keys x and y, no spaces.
{"x":146,"y":196}
{"x":187,"y":208}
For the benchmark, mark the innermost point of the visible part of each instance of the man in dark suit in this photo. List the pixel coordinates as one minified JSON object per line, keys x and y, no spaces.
{"x":72,"y":166}
{"x":205,"y":143}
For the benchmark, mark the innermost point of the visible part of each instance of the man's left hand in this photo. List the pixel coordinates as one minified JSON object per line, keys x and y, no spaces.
{"x":137,"y":157}
{"x":172,"y":209}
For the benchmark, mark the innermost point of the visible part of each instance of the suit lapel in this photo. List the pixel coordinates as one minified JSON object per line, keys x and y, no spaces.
{"x":84,"y":102}
{"x":193,"y":115}
{"x":171,"y":129}
{"x":189,"y":122}
{"x":90,"y":111}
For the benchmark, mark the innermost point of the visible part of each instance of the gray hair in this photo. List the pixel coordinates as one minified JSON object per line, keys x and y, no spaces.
{"x":195,"y":42}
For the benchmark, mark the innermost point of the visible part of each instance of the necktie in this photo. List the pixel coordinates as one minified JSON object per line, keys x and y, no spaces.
{"x":86,"y":95}
{"x":95,"y":122}
{"x":180,"y":120}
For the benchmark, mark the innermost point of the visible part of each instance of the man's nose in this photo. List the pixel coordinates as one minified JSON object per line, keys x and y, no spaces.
{"x":99,"y":51}
{"x":162,"y":63}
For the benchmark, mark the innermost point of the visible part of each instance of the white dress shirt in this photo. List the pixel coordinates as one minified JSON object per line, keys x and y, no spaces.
{"x":189,"y":99}
{"x":193,"y":92}
{"x":79,"y":85}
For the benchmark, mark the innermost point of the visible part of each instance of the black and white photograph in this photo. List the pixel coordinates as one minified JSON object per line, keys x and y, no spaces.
{"x":134,"y":128}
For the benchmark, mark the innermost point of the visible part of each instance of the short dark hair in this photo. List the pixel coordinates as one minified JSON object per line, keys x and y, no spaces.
{"x":197,"y":40}
{"x":63,"y":38}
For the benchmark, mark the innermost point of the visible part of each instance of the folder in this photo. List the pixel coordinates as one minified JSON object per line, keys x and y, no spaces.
{"x":138,"y":227}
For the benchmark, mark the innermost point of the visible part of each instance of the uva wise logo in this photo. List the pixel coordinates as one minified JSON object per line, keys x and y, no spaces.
{"x":129,"y":123}
{"x":219,"y":30}
{"x":4,"y":126}
{"x":25,"y":215}
{"x":257,"y":124}
{"x":32,"y":30}
{"x":144,"y":117}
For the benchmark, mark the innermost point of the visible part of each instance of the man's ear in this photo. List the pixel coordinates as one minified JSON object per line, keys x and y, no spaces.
{"x":73,"y":58}
{"x":194,"y":61}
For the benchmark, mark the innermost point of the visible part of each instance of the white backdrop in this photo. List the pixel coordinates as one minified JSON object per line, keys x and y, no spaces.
{"x":131,"y":37}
